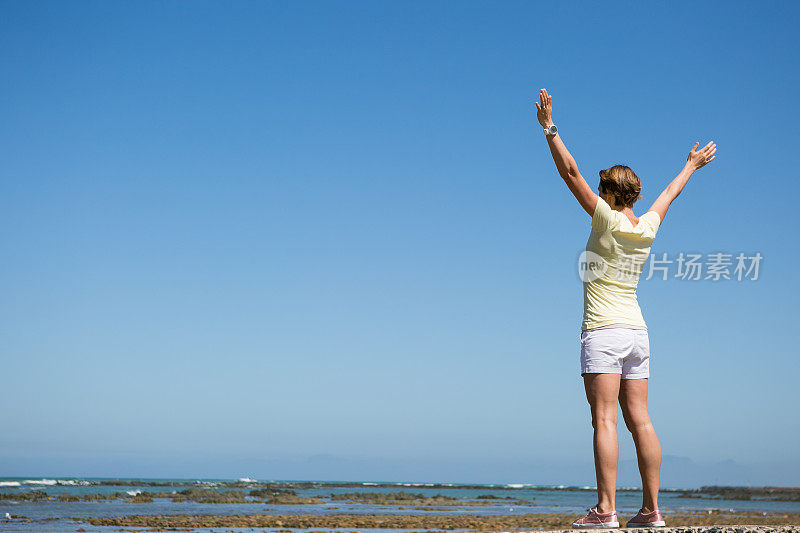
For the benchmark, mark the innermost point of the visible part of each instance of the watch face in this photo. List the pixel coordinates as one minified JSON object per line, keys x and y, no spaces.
{"x":552,"y":129}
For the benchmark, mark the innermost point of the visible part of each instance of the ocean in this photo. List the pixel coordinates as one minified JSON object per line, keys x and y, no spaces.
{"x":64,"y":504}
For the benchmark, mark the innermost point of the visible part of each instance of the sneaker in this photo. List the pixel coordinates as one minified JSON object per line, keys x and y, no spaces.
{"x":596,"y":520}
{"x":651,"y":519}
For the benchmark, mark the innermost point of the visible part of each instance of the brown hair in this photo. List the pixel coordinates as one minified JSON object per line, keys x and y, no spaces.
{"x":622,"y":183}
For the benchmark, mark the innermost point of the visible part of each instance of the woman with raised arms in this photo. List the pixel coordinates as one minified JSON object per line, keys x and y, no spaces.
{"x":615,"y":349}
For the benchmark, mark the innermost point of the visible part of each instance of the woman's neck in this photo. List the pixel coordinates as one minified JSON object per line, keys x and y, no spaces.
{"x":628,"y":212}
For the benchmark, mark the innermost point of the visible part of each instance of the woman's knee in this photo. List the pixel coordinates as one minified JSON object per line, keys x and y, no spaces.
{"x":638,"y":421}
{"x":604,"y":417}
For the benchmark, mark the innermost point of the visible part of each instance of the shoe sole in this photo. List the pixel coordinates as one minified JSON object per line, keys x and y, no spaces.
{"x":607,"y":525}
{"x":659,"y":523}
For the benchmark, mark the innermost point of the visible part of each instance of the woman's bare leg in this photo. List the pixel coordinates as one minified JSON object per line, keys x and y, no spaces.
{"x":602,"y":391}
{"x":633,"y":400}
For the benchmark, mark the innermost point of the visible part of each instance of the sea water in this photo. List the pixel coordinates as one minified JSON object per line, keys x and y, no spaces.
{"x":55,"y":515}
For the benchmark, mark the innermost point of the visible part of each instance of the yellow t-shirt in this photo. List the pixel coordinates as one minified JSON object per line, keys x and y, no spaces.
{"x":618,"y":251}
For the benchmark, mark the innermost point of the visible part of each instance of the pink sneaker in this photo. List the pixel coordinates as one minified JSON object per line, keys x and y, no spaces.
{"x":596,"y":520}
{"x":651,"y":519}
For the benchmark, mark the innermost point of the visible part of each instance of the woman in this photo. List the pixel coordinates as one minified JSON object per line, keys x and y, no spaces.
{"x":614,"y":342}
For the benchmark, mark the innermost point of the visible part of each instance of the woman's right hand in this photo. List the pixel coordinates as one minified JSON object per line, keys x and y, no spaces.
{"x":699,"y":158}
{"x":544,"y":109}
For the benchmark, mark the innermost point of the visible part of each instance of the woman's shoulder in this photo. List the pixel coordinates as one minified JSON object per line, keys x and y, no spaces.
{"x":604,"y":217}
{"x":652,"y":219}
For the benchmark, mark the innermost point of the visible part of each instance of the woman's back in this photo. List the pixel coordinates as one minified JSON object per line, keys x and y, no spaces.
{"x":621,"y":249}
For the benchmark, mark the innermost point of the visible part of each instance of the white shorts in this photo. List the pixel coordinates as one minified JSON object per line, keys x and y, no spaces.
{"x":616,"y":350}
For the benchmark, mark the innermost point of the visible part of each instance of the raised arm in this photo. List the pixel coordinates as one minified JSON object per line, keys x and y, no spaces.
{"x":564,"y":161}
{"x":694,"y":161}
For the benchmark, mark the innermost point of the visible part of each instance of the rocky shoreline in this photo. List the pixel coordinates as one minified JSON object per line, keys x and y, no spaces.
{"x":711,"y":492}
{"x":280,"y":491}
{"x":271,"y":496}
{"x":785,"y":494}
{"x":538,"y":521}
{"x":274,"y":495}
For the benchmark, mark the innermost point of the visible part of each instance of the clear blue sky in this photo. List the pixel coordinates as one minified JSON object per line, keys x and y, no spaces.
{"x":264,"y":230}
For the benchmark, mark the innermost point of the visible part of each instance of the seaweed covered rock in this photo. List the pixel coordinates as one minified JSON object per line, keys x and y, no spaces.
{"x":210,"y":496}
{"x":270,"y":492}
{"x":30,"y":496}
{"x":397,"y":498}
{"x":291,"y":499}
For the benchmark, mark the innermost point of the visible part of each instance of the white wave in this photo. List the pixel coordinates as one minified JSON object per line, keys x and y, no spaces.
{"x":247,"y":480}
{"x":40,"y":481}
{"x":72,"y":482}
{"x":9,"y":484}
{"x":368,"y":483}
{"x":515,"y":485}
{"x":133,"y":492}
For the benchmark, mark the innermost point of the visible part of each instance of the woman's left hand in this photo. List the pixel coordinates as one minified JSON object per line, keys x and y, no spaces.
{"x":700,"y":158}
{"x":544,"y":109}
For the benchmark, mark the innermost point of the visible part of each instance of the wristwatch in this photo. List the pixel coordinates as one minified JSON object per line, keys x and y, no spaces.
{"x":551,"y":130}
